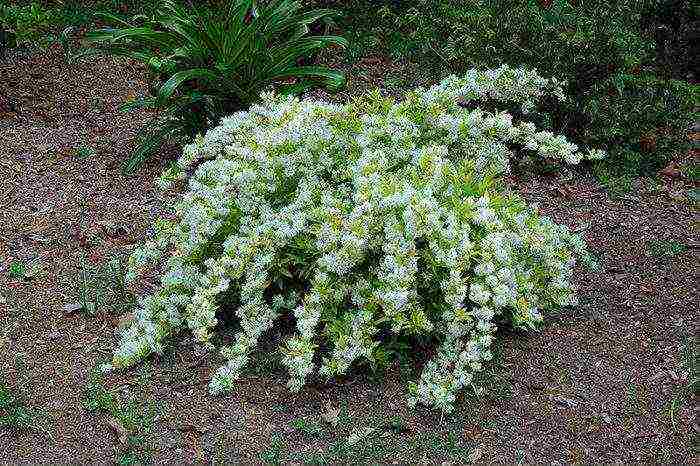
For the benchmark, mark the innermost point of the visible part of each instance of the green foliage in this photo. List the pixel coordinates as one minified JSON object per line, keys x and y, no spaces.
{"x":90,"y":293}
{"x":690,"y":372}
{"x":617,"y":183}
{"x":689,"y":364}
{"x":691,"y":171}
{"x":398,"y":351}
{"x":661,"y":248}
{"x":208,"y":63}
{"x":13,"y":412}
{"x":131,"y":420}
{"x":307,"y":427}
{"x":119,"y":296}
{"x":396,"y":425}
{"x":103,"y":286}
{"x":43,"y":23}
{"x":21,"y":24}
{"x":641,"y":120}
{"x":17,"y":270}
{"x":84,"y":152}
{"x":616,"y":65}
{"x":271,"y":455}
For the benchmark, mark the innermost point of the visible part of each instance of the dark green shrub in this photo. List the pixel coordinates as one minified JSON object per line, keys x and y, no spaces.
{"x":616,"y":65}
{"x":675,"y":27}
{"x":641,"y":120}
{"x":41,"y":23}
{"x":20,"y":24}
{"x":205,"y":63}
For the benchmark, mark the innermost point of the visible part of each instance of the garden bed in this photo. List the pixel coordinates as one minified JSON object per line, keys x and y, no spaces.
{"x":603,"y":382}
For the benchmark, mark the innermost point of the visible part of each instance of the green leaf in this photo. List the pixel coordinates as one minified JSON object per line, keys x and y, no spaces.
{"x":334,"y":79}
{"x":170,"y":86}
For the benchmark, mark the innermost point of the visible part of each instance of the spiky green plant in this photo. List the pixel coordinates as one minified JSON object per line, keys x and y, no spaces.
{"x":208,"y":63}
{"x":13,"y":412}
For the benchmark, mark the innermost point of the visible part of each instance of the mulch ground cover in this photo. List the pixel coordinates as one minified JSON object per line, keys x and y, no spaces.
{"x":603,"y":382}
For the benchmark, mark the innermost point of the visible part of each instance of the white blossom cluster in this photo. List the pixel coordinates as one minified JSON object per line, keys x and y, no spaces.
{"x":371,"y":216}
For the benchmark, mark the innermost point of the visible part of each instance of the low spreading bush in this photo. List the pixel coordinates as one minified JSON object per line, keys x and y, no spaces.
{"x":358,"y":221}
{"x":205,"y":63}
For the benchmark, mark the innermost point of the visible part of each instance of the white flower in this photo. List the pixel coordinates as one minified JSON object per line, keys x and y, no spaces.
{"x":479,"y":294}
{"x":356,"y":220}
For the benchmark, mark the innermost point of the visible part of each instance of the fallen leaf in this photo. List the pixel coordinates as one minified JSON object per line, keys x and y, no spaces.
{"x":358,"y":435}
{"x":119,"y":429}
{"x":372,"y":61}
{"x":475,"y":455}
{"x":125,"y":320}
{"x":187,"y":427}
{"x":473,"y":432}
{"x":564,"y":191}
{"x":569,"y":403}
{"x":72,"y":307}
{"x":112,"y":229}
{"x":671,"y":171}
{"x":38,"y":239}
{"x":198,"y":362}
{"x":331,"y":415}
{"x":648,"y":142}
{"x":642,"y":435}
{"x":81,"y":238}
{"x":95,"y":256}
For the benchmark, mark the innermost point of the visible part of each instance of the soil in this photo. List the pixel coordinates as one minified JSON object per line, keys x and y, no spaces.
{"x":600,"y":383}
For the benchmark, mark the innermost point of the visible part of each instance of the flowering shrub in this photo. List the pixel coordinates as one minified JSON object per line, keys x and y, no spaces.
{"x":355,"y":219}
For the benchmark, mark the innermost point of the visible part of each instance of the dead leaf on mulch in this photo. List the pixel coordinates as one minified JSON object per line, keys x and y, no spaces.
{"x":95,"y":257}
{"x":188,"y":427}
{"x":125,"y":320}
{"x":85,"y":239}
{"x":563,"y":401}
{"x":358,"y":435}
{"x":473,"y":432}
{"x":112,"y":229}
{"x":72,"y":308}
{"x":331,"y":415}
{"x":565,"y":192}
{"x":119,"y":429}
{"x":475,"y":455}
{"x":371,"y":61}
{"x":671,"y":171}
